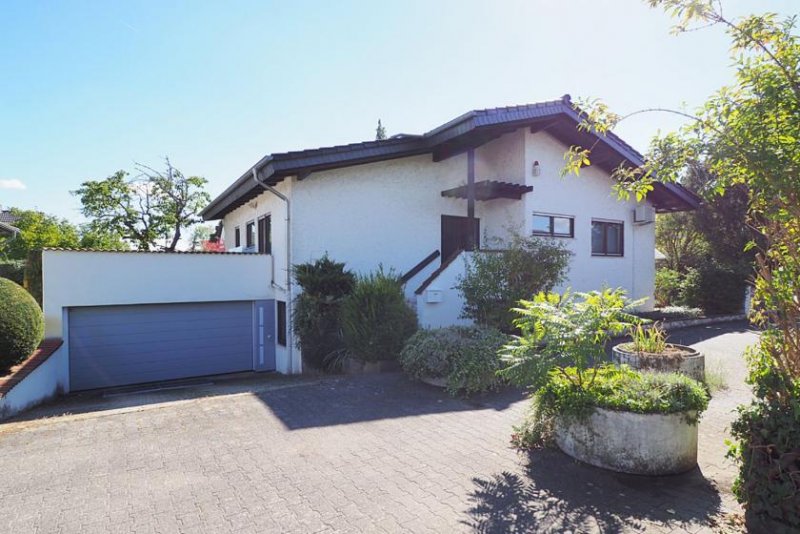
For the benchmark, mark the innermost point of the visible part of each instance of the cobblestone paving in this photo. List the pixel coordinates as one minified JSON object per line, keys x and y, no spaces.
{"x":354,"y":454}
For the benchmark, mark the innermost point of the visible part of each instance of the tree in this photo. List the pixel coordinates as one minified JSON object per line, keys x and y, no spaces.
{"x":38,"y":230}
{"x":748,"y":137}
{"x":154,"y":206}
{"x":200,"y":234}
{"x":380,"y":132}
{"x":680,"y":241}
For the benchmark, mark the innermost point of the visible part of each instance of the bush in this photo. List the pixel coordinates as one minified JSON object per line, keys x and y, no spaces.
{"x":714,"y":288}
{"x":668,"y":287}
{"x":376,"y":320}
{"x":494,"y":282}
{"x":466,"y":356}
{"x":13,"y":270}
{"x":317,"y":311}
{"x":21,"y":324}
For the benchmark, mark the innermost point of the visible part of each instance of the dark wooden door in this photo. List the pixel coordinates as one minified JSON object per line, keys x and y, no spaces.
{"x":458,"y":234}
{"x":265,"y":235}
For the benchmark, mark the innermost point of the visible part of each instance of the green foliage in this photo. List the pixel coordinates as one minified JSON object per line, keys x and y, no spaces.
{"x":668,"y":286}
{"x":33,"y":275}
{"x":317,"y":311}
{"x":37,"y":230}
{"x":380,"y":132}
{"x":155,"y":206}
{"x":713,"y":288}
{"x":376,"y":320}
{"x":565,"y":395}
{"x":466,"y":356}
{"x":569,"y":330}
{"x":652,"y":340}
{"x":519,"y":268}
{"x":14,"y":270}
{"x":680,"y":240}
{"x":767,"y":434}
{"x":21,"y":324}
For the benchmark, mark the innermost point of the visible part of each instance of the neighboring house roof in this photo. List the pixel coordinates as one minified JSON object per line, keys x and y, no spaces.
{"x":7,"y":229}
{"x":7,"y":217}
{"x":470,"y":130}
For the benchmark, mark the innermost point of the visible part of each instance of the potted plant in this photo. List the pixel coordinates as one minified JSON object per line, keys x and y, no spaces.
{"x":608,"y":416}
{"x":649,"y":350}
{"x":460,"y":358}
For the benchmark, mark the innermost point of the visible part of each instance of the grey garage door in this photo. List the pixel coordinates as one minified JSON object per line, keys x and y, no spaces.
{"x":119,"y":345}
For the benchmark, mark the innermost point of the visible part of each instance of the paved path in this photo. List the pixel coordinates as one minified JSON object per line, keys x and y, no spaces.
{"x":353,"y":454}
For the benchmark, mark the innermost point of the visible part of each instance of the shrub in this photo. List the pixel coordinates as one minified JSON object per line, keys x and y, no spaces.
{"x":495,"y":281}
{"x":33,"y":275}
{"x":317,"y":311}
{"x":14,"y":270}
{"x":21,"y":324}
{"x":668,"y":287}
{"x":376,"y":320}
{"x":714,"y":288}
{"x":466,"y":356}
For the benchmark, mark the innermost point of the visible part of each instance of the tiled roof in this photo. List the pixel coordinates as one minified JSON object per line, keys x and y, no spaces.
{"x":7,"y":217}
{"x":475,"y":126}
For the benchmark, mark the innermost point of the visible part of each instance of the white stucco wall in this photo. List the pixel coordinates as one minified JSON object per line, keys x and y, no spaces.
{"x":43,"y":383}
{"x":586,"y":197}
{"x":447,"y":309}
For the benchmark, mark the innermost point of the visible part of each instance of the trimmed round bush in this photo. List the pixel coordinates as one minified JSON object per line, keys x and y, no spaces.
{"x":466,"y":357}
{"x":21,"y":324}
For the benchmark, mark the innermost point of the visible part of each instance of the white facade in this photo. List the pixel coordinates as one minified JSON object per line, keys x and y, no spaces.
{"x":389,"y":213}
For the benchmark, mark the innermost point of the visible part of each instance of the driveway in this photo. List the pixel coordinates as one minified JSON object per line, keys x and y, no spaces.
{"x":373,"y":453}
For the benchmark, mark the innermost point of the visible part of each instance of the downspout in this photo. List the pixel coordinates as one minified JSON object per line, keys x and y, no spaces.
{"x":290,"y":337}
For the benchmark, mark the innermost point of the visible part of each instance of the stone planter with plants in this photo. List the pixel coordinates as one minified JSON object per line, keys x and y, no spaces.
{"x":648,"y":350}
{"x":463,"y":359}
{"x":612,"y":417}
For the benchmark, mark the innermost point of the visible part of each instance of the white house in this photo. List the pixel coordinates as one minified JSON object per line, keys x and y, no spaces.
{"x":415,"y":202}
{"x":419,"y":204}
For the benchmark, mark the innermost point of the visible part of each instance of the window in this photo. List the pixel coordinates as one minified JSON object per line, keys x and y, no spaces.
{"x":265,"y":235}
{"x":607,"y":238}
{"x":237,"y":237}
{"x":553,"y":225}
{"x":281,"y":323}
{"x":250,"y":234}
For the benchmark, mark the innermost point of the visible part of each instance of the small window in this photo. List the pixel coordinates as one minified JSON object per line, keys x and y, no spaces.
{"x":250,"y":234}
{"x":553,"y":225}
{"x":265,"y":235}
{"x":237,"y":237}
{"x":607,"y":238}
{"x":281,"y":323}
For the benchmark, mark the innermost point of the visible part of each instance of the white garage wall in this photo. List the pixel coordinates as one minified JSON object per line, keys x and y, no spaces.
{"x":80,"y":278}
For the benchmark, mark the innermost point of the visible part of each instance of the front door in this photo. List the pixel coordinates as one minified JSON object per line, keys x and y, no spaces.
{"x":458,"y":234}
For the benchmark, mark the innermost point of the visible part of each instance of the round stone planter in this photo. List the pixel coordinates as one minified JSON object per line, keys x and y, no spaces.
{"x":692,"y":363}
{"x":640,"y":444}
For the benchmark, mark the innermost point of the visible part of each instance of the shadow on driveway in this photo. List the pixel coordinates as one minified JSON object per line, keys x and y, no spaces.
{"x":556,"y":494}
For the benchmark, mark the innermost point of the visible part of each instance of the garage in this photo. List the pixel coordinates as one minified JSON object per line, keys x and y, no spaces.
{"x":113,"y":346}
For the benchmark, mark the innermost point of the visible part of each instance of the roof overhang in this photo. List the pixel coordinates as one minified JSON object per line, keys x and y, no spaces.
{"x":7,"y":229}
{"x":490,"y":190}
{"x":473,"y":129}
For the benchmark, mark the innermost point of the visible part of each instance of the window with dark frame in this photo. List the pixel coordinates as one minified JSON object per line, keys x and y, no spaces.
{"x":237,"y":237}
{"x":553,"y":225}
{"x":250,"y":234}
{"x":281,"y":323}
{"x":608,"y":238}
{"x":265,"y":235}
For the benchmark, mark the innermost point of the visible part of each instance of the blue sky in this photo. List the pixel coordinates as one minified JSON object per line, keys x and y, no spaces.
{"x":89,"y":87}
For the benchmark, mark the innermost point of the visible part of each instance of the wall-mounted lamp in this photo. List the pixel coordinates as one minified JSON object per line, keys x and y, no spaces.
{"x":537,"y":170}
